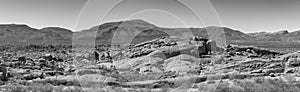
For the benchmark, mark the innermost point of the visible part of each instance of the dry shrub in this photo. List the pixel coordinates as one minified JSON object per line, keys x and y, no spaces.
{"x":39,"y":88}
{"x":218,"y":59}
{"x":253,"y":85}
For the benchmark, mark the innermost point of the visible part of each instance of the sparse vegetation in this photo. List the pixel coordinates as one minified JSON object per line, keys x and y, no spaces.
{"x":258,"y":84}
{"x":39,"y":88}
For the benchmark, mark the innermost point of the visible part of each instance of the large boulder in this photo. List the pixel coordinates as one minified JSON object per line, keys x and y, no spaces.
{"x":89,"y":71}
{"x":108,"y":66}
{"x":182,"y":64}
{"x":251,"y":51}
{"x":23,"y":58}
{"x":292,"y":60}
{"x":194,"y":50}
{"x":33,"y":75}
{"x":126,"y":64}
{"x":96,"y":80}
{"x":53,"y":73}
{"x":170,"y":47}
{"x":149,"y":69}
{"x":69,"y":80}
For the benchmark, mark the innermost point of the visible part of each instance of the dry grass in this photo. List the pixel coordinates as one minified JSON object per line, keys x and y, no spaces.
{"x":261,"y":84}
{"x":39,"y":88}
{"x":282,"y":46}
{"x":253,"y":85}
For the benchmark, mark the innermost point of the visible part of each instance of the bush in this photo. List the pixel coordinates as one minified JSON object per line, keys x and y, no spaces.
{"x":253,"y":85}
{"x":39,"y":88}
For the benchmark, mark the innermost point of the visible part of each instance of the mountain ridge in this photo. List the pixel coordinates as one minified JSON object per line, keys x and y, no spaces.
{"x":128,"y":31}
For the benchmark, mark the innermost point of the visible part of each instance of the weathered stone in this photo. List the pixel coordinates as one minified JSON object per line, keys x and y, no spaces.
{"x":181,"y":64}
{"x":272,"y":75}
{"x":275,"y":70}
{"x":257,"y":71}
{"x":33,"y":75}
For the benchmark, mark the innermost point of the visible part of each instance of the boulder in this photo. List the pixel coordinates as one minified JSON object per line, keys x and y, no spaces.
{"x":182,"y":64}
{"x":98,"y":80}
{"x":292,"y":60}
{"x":108,"y":66}
{"x":256,"y":71}
{"x":33,"y":75}
{"x":126,"y":64}
{"x":149,"y":69}
{"x":193,"y":50}
{"x":255,"y":51}
{"x":69,"y":80}
{"x":23,"y":58}
{"x":170,"y":47}
{"x":53,"y":73}
{"x":275,"y":70}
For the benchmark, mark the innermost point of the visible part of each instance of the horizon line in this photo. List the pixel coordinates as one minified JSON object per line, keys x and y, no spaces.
{"x":73,"y":29}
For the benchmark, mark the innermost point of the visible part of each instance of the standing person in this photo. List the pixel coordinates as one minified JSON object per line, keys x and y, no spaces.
{"x":96,"y":55}
{"x":108,"y":57}
{"x":210,"y":46}
{"x":4,"y":73}
{"x":103,"y":56}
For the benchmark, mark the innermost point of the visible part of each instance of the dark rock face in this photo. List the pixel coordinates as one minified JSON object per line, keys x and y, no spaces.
{"x":251,"y":52}
{"x":170,"y":47}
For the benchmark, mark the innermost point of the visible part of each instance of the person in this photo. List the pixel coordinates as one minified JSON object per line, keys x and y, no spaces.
{"x":103,"y":56}
{"x":106,"y":56}
{"x":228,"y":46}
{"x":210,"y":46}
{"x":96,"y":55}
{"x":4,"y":73}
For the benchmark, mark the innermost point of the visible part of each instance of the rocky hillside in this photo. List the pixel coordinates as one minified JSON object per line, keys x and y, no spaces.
{"x":167,"y":63}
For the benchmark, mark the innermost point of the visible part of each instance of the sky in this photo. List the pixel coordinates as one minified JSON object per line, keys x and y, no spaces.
{"x":244,"y":15}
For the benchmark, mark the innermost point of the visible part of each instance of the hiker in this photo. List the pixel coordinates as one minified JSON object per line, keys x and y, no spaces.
{"x":106,"y":56}
{"x":4,"y":73}
{"x":210,"y":46}
{"x":96,"y":55}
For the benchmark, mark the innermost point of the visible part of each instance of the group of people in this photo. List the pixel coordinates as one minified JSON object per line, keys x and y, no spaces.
{"x":210,"y":45}
{"x":104,"y":56}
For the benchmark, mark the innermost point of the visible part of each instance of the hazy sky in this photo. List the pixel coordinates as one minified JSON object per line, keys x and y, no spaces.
{"x":259,"y":15}
{"x":244,"y":15}
{"x":41,"y":13}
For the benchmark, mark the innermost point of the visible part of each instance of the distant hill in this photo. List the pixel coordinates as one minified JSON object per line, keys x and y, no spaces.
{"x":136,"y":31}
{"x":23,"y":34}
{"x":129,"y":31}
{"x":277,"y":36}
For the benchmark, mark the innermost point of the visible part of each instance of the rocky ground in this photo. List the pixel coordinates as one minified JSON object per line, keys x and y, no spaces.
{"x":164,"y":64}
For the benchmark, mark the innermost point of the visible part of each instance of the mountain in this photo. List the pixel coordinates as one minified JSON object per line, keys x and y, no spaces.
{"x":293,"y":36}
{"x":283,"y":35}
{"x":130,"y":32}
{"x":136,"y":31}
{"x":23,"y":34}
{"x":123,"y":32}
{"x":65,"y":33}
